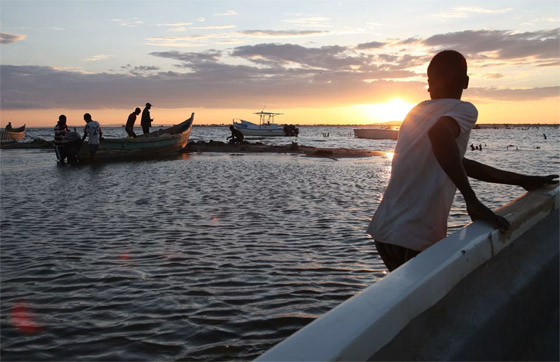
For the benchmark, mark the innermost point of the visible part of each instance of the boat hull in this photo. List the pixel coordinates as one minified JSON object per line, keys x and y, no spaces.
{"x":159,"y":143}
{"x":13,"y":134}
{"x":376,"y":134}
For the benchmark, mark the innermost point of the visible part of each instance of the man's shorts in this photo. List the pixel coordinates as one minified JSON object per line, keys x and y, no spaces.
{"x":393,"y":255}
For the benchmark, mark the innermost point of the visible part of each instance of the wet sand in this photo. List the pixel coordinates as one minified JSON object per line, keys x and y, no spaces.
{"x":293,"y":148}
{"x":245,"y":147}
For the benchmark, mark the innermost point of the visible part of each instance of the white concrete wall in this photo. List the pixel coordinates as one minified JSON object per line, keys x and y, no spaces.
{"x":376,"y":324}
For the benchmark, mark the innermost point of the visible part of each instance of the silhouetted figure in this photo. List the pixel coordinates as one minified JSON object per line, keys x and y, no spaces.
{"x":71,"y":145}
{"x":236,"y":136}
{"x":129,"y":128}
{"x":429,"y":166}
{"x":472,"y":147}
{"x":146,"y":121}
{"x":9,"y":126}
{"x":60,"y":131}
{"x":93,"y":131}
{"x":544,"y":135}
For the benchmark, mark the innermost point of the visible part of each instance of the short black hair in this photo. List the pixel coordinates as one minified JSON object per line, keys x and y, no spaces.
{"x":448,"y":64}
{"x":62,"y":117}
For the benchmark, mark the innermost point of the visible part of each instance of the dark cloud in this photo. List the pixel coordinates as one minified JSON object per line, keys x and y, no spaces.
{"x":143,"y":68}
{"x":370,"y":45}
{"x":402,"y":61}
{"x":191,"y":57}
{"x":327,"y":57}
{"x":6,"y":38}
{"x":213,"y":85}
{"x":139,"y":70}
{"x":410,"y":41}
{"x":287,"y":74}
{"x":544,"y":44}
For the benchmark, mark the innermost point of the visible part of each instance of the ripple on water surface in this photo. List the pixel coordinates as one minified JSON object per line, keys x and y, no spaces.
{"x":203,"y":257}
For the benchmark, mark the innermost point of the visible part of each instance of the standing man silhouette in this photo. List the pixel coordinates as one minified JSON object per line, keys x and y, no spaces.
{"x":130,"y":123}
{"x":146,"y":121}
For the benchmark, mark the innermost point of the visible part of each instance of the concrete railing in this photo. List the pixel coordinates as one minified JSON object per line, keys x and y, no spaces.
{"x":375,"y":323}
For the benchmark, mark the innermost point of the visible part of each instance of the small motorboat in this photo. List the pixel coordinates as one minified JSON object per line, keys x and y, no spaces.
{"x":266,"y":127}
{"x":377,"y":133}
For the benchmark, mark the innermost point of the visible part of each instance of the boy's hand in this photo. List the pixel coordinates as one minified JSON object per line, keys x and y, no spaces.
{"x":477,"y":211}
{"x":530,"y":183}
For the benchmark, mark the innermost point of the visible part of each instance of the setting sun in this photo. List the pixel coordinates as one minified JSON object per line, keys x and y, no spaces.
{"x":392,"y":110}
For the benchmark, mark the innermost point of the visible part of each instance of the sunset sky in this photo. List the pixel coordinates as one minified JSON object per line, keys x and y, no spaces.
{"x":318,"y":62}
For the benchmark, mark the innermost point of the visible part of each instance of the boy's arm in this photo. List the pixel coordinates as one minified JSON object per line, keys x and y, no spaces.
{"x":85,"y":133}
{"x":487,"y":173}
{"x":442,"y":136}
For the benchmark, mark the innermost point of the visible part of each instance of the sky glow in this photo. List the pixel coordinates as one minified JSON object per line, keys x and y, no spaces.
{"x":316,"y":61}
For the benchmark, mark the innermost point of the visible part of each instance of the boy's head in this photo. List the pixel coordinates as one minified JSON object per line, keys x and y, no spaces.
{"x":447,"y":75}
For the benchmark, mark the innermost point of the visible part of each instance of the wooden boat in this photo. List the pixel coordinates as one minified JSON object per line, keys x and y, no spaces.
{"x":12,"y":134}
{"x":158,"y":143}
{"x":376,"y":133}
{"x":266,"y":127}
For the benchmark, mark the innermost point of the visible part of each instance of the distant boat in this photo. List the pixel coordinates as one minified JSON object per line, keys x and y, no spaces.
{"x":159,"y":143}
{"x":266,"y":127}
{"x":376,"y":133}
{"x":12,"y":134}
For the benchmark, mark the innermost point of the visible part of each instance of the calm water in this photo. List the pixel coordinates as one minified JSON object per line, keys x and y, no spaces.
{"x":204,"y":256}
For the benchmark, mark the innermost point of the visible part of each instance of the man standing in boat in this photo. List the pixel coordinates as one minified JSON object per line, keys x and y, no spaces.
{"x":429,"y":166}
{"x":130,"y":122}
{"x":93,"y":132}
{"x":146,"y":121}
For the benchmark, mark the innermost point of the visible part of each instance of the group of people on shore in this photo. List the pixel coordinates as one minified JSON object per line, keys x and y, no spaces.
{"x":67,"y":144}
